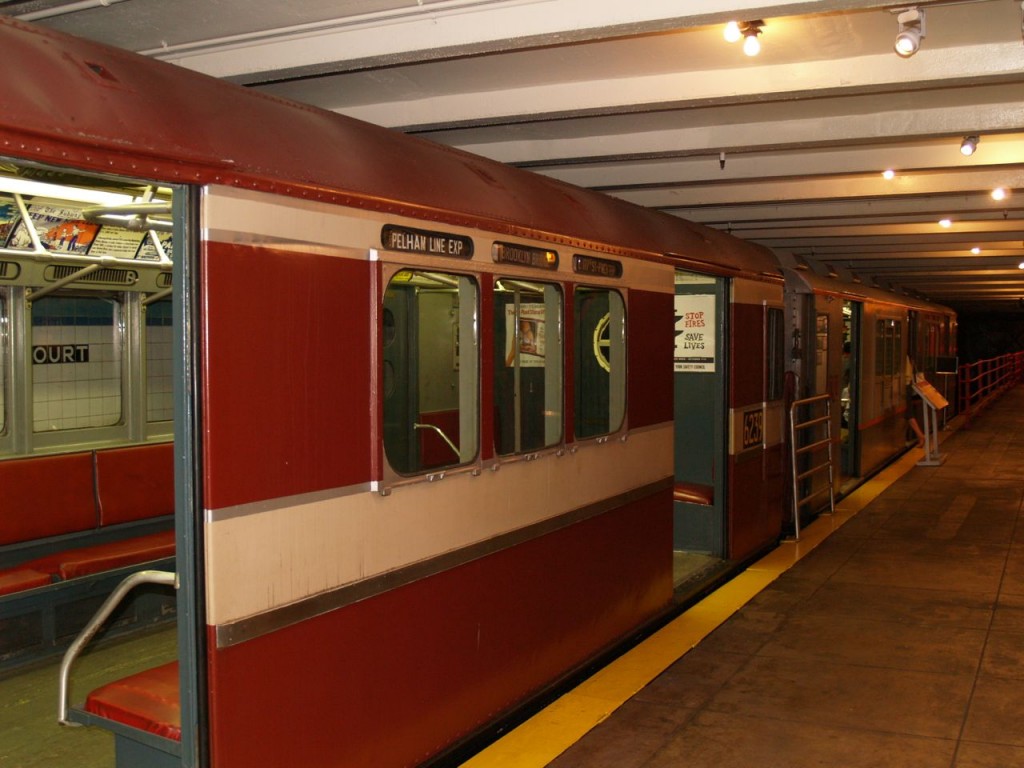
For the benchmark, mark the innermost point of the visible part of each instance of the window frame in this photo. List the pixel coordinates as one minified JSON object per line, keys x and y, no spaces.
{"x":95,"y":435}
{"x":470,"y":394}
{"x":555,"y":371}
{"x":618,"y":384}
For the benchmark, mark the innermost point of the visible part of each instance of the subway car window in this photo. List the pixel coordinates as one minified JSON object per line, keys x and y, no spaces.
{"x":430,"y":376}
{"x":775,"y":357}
{"x":527,"y":366}
{"x":76,"y":362}
{"x":159,"y":348}
{"x":888,"y":347}
{"x":599,"y":354}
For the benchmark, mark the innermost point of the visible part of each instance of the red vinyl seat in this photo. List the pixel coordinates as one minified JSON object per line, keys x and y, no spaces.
{"x":149,"y":700}
{"x":19,"y":579}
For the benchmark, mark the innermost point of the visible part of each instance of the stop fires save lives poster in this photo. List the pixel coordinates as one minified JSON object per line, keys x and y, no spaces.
{"x":695,"y":334}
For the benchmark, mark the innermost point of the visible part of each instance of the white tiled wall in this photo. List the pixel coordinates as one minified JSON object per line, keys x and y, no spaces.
{"x":159,"y":399}
{"x":74,"y":395}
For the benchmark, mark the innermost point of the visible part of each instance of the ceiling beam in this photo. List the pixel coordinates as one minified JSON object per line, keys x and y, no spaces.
{"x":816,"y":189}
{"x":444,"y":29}
{"x":876,"y":73}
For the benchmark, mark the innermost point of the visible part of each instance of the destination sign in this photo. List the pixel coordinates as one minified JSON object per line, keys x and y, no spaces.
{"x":524,"y":256}
{"x":44,"y":354}
{"x":409,"y":240}
{"x":591,"y":265}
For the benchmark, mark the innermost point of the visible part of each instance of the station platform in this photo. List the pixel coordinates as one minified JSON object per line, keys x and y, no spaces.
{"x":891,"y":634}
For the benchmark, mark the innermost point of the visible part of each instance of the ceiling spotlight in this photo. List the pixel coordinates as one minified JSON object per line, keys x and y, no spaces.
{"x":750,"y":30}
{"x":998,"y":193}
{"x":889,"y":174}
{"x":910,"y":32}
{"x":732,"y":32}
{"x":975,"y":250}
{"x":945,"y":223}
{"x":969,"y":146}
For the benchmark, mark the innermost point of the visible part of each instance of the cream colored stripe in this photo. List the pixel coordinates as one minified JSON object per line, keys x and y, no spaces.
{"x":280,"y":555}
{"x":256,"y":218}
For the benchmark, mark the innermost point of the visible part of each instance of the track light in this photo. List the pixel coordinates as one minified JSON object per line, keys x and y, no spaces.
{"x":969,"y":146}
{"x":911,"y":30}
{"x":750,"y":30}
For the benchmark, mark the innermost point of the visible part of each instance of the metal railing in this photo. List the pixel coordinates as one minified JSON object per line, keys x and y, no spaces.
{"x":71,"y":655}
{"x":815,"y":430}
{"x":980,"y":383}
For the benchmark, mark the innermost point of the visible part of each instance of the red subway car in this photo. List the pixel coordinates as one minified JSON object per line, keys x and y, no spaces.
{"x":441,"y":427}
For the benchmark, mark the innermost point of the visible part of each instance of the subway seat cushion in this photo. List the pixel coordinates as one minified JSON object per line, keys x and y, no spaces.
{"x":19,"y":579}
{"x":135,"y":483}
{"x":149,"y":701}
{"x":46,"y":496}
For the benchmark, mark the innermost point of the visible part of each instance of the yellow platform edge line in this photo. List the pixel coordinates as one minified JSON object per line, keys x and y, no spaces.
{"x":562,"y":723}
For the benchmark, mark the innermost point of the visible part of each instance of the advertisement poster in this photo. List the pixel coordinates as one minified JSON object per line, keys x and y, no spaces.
{"x":695,"y":334}
{"x":117,"y":241}
{"x":531,"y":335}
{"x":8,"y":218}
{"x":61,"y":229}
{"x":148,"y":250}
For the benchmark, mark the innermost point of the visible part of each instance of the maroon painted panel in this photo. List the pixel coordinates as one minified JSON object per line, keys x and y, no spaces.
{"x":650,"y":326}
{"x":285,"y":410}
{"x":755,"y":501}
{"x":746,"y":354}
{"x":396,"y":678}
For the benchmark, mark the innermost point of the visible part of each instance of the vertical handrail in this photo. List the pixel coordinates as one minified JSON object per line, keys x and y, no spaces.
{"x":812,"y":447}
{"x":71,"y":654}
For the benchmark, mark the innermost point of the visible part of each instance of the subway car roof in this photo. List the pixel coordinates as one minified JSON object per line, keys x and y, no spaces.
{"x":88,"y":105}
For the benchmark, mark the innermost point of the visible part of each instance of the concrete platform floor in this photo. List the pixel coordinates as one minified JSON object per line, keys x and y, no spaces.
{"x":897,"y":641}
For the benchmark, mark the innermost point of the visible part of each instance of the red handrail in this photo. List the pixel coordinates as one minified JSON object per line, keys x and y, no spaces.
{"x":982,"y":382}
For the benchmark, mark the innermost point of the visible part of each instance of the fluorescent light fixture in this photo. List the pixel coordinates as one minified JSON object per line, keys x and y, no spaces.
{"x":732,"y":32}
{"x":969,"y":146}
{"x":15,"y":186}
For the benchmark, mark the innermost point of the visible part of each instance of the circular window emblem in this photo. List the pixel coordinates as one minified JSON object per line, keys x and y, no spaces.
{"x":603,"y":343}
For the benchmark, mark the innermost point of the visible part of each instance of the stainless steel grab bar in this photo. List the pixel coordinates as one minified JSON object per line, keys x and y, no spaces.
{"x":441,"y":434}
{"x":90,"y":629}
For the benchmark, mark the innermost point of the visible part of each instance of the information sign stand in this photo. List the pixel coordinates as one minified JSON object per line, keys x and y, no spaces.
{"x":933,"y":403}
